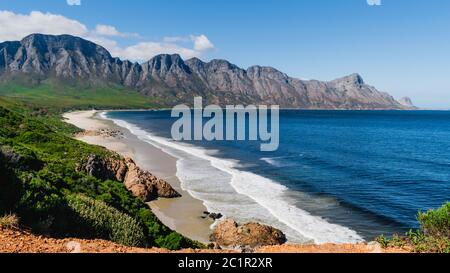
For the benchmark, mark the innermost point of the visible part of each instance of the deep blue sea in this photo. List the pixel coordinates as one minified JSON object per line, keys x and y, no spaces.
{"x":337,"y":176}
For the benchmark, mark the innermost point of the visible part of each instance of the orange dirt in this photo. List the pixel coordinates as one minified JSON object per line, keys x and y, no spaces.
{"x":330,"y":248}
{"x":17,"y":241}
{"x":14,"y":241}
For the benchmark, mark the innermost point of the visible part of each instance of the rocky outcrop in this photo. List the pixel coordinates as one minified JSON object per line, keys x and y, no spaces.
{"x":141,"y":183}
{"x":104,"y":169}
{"x":171,"y":80}
{"x":407,"y":102}
{"x":229,"y":234}
{"x":145,"y":185}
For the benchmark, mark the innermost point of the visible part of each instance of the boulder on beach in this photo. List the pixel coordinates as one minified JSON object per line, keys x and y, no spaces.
{"x":228,"y":233}
{"x":141,"y":183}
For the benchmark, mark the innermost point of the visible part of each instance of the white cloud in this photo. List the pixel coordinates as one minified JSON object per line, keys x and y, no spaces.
{"x":146,"y":50}
{"x":107,"y":30}
{"x":16,"y":26}
{"x":374,"y":2}
{"x":176,"y":39}
{"x":74,"y":2}
{"x":202,"y":43}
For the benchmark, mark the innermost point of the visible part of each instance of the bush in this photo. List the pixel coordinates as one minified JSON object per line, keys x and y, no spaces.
{"x":173,"y":241}
{"x":10,"y":221}
{"x":106,"y":222}
{"x":10,"y":189}
{"x":436,"y":223}
{"x":433,"y":237}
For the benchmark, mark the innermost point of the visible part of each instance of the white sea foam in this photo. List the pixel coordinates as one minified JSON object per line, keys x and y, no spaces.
{"x":242,"y":195}
{"x":279,"y":161}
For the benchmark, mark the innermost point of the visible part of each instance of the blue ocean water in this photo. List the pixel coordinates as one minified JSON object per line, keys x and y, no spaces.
{"x":337,"y":175}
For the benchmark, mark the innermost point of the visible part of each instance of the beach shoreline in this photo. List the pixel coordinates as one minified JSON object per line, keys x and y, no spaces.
{"x":183,"y":214}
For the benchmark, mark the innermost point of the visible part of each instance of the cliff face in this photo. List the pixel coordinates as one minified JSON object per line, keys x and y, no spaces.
{"x":174,"y":80}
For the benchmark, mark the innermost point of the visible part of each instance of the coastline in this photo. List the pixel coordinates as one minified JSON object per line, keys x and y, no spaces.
{"x":180,"y":214}
{"x":234,"y":193}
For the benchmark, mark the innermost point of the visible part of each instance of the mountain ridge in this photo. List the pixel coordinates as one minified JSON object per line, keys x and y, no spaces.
{"x":171,"y":79}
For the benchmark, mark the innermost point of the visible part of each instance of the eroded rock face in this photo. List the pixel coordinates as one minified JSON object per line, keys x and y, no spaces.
{"x":230,"y":234}
{"x":145,"y":185}
{"x":114,"y":169}
{"x":141,"y":183}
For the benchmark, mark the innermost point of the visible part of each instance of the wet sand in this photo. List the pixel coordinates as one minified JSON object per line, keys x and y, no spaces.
{"x":182,"y":214}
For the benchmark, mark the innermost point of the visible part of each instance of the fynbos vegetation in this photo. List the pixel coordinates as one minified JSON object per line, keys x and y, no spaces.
{"x":41,"y":185}
{"x":433,"y":236}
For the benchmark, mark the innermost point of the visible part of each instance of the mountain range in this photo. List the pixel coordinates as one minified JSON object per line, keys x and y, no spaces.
{"x":173,"y":80}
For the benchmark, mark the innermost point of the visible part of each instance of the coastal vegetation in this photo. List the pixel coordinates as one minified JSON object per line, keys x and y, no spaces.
{"x":60,"y":96}
{"x":41,"y":186}
{"x":433,"y":235}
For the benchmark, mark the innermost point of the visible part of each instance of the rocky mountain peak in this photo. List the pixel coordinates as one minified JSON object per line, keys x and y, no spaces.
{"x":353,"y":79}
{"x":222,"y":65}
{"x":167,"y":62}
{"x":55,"y":43}
{"x":266,"y":72}
{"x":406,"y":101}
{"x":195,"y":61}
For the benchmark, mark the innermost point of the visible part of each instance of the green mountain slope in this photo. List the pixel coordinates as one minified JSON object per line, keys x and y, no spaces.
{"x":64,"y":96}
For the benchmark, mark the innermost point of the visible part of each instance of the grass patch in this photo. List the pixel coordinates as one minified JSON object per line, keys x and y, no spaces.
{"x":58,"y":96}
{"x":9,"y":221}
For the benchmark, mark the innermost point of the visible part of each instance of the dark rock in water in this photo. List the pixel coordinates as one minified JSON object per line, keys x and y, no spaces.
{"x":215,"y":216}
{"x":206,"y":213}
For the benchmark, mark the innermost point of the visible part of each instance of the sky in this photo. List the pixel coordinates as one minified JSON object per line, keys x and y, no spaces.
{"x":399,"y":46}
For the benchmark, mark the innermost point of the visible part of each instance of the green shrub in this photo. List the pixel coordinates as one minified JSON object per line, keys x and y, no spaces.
{"x":10,"y":189}
{"x":173,"y":241}
{"x":433,"y":237}
{"x":107,"y":222}
{"x":436,"y":223}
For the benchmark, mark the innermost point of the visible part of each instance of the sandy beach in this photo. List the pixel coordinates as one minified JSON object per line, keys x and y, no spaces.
{"x":181,"y":214}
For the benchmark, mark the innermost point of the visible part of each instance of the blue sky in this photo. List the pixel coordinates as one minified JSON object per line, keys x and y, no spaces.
{"x":401,"y":46}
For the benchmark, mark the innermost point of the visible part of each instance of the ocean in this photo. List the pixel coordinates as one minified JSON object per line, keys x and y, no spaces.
{"x":338,"y":176}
